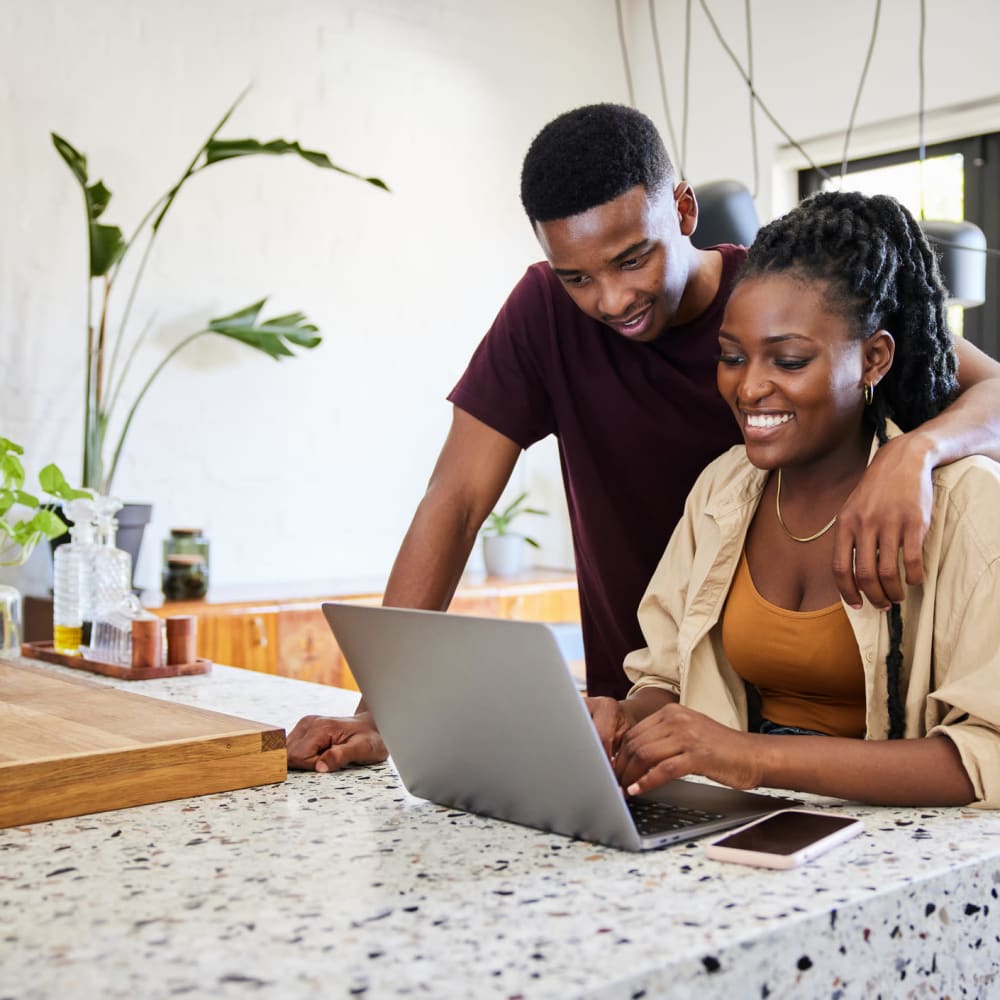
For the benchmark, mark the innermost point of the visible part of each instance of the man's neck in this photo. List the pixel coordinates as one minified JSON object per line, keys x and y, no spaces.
{"x":702,"y":286}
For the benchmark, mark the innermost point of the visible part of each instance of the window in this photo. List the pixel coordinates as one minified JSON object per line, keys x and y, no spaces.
{"x":957,"y":180}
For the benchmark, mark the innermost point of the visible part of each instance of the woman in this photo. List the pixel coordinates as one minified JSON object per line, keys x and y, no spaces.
{"x":834,"y":340}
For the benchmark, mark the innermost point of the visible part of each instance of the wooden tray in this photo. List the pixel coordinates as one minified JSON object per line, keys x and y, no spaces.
{"x":70,"y":746}
{"x":46,"y":651}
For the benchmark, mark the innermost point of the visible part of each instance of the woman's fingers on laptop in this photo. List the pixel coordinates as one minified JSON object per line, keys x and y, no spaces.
{"x":674,"y":742}
{"x":610,"y":722}
{"x":321,"y":743}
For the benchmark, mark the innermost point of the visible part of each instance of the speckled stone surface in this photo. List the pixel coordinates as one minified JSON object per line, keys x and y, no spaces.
{"x":345,"y":886}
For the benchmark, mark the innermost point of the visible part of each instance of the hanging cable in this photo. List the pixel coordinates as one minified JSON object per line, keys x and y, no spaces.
{"x":687,"y":87}
{"x":753,"y":107}
{"x":624,"y":48}
{"x":663,"y":83}
{"x":921,"y":147}
{"x":861,"y":87}
{"x":753,"y":92}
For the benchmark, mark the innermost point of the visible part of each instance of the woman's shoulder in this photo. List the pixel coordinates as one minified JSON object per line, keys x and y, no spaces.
{"x":966,"y":502}
{"x":974,"y":478}
{"x":730,"y":475}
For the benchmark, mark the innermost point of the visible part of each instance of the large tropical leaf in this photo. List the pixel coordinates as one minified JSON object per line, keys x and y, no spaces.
{"x":217,"y":150}
{"x":106,"y":242}
{"x":270,"y":336}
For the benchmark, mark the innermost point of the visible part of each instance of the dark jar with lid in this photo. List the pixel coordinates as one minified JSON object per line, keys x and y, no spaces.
{"x":185,"y":564}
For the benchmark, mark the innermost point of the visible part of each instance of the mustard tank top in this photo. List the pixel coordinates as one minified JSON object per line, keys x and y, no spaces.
{"x":805,"y":664}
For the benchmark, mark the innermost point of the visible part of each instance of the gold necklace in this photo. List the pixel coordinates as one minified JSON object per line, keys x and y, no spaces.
{"x":795,"y":538}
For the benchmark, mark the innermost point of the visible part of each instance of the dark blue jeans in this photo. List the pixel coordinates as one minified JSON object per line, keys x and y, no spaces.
{"x":769,"y":728}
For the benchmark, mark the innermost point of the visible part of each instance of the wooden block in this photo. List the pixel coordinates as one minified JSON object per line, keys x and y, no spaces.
{"x":69,"y":747}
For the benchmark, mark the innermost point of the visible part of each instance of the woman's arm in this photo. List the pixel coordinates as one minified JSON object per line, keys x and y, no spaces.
{"x":612,"y":719}
{"x":889,"y":510}
{"x":675,"y":741}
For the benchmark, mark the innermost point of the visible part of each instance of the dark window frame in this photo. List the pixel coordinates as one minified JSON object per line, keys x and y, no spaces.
{"x":981,"y":159}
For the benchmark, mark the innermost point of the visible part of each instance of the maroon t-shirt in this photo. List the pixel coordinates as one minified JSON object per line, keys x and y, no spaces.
{"x":636,"y":424}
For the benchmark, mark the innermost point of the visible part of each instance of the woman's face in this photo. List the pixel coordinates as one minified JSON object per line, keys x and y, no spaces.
{"x":794,"y":372}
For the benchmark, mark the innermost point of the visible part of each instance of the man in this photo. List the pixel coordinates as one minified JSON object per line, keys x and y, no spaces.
{"x":611,"y":346}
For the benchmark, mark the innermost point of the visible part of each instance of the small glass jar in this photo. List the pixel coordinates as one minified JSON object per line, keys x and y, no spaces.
{"x":185,"y":564}
{"x":10,"y":621}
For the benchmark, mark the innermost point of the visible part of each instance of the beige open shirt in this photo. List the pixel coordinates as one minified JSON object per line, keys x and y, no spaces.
{"x":951,"y":623}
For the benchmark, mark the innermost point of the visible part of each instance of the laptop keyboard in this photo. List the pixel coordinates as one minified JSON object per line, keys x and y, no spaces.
{"x":652,"y":818}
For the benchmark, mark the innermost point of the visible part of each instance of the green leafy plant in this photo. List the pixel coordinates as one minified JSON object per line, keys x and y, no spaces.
{"x":34,"y":520}
{"x":499,"y":522}
{"x":110,"y":354}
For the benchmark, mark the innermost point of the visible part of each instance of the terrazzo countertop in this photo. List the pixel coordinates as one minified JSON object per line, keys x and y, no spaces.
{"x":343,"y":885}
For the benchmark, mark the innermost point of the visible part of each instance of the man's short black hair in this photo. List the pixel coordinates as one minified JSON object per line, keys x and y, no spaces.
{"x":590,"y":156}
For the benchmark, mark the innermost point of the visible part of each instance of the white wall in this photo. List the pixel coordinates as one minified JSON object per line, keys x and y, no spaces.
{"x":312,"y":468}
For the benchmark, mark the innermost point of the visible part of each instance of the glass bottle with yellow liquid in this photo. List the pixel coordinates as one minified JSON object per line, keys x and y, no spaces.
{"x":71,"y":578}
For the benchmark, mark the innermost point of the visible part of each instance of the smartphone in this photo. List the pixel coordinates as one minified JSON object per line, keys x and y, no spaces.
{"x":784,"y":839}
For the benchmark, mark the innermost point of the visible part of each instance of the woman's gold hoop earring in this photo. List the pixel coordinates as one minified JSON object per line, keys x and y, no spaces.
{"x":869,"y":394}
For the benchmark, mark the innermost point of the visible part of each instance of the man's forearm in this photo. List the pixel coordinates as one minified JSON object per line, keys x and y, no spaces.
{"x":970,"y":426}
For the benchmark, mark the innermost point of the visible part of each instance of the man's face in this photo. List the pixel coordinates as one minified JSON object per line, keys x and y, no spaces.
{"x":626,"y":263}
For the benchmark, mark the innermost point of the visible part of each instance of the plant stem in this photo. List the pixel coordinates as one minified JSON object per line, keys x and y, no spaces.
{"x":119,"y":385}
{"x":131,"y":298}
{"x":105,"y":486}
{"x":99,"y":358}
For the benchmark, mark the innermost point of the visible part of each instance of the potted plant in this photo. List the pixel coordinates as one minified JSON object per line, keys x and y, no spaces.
{"x":504,"y":549}
{"x":111,"y":344}
{"x":24,"y":522}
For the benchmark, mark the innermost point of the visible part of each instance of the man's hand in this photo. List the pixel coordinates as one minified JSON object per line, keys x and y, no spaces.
{"x":319,"y":743}
{"x":676,"y":741}
{"x":610,"y":721}
{"x":889,"y":512}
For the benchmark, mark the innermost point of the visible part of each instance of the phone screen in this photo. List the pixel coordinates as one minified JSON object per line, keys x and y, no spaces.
{"x":785,"y":832}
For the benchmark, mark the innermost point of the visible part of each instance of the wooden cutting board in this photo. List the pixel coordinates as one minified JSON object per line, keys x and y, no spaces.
{"x":70,"y":747}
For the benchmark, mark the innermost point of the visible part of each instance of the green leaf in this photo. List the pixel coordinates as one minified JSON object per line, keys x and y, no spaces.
{"x":24,"y":499}
{"x":248,"y":314}
{"x":510,"y":511}
{"x":218,"y":150}
{"x":54,"y":483}
{"x":272,"y":336}
{"x":106,"y":242}
{"x":76,"y":161}
{"x":49,"y":524}
{"x":98,"y":197}
{"x":106,"y":247}
{"x":11,"y":469}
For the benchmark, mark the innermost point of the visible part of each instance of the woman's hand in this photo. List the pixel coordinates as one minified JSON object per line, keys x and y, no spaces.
{"x":675,"y":741}
{"x":611,"y":722}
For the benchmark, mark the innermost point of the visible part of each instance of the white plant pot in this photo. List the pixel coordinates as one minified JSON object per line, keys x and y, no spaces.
{"x":504,"y":555}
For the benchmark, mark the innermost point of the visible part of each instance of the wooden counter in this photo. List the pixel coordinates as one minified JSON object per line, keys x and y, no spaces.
{"x":280,"y":629}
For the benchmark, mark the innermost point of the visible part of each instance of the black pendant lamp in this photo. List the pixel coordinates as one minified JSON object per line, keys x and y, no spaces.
{"x":726,"y":214}
{"x":961,"y":251}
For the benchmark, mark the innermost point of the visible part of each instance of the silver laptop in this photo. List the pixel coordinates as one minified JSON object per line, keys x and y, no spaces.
{"x":483,"y":715}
